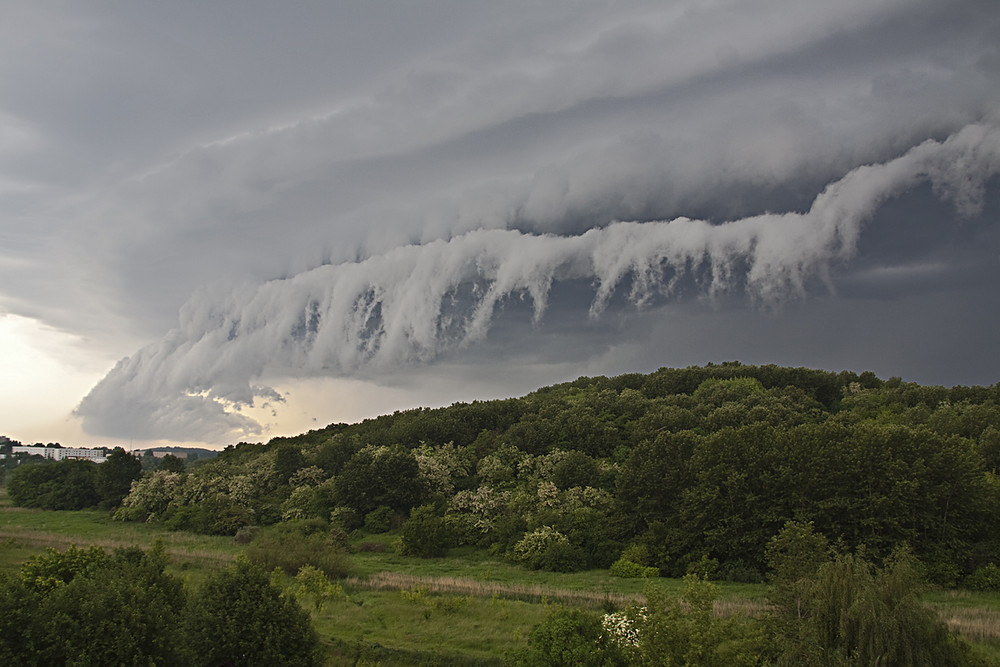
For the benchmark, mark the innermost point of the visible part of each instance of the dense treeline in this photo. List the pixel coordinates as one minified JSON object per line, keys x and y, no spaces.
{"x":88,"y":607}
{"x":73,"y":484}
{"x":664,"y":471}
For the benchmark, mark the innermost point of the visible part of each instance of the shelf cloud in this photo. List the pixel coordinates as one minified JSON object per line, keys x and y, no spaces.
{"x":416,"y":302}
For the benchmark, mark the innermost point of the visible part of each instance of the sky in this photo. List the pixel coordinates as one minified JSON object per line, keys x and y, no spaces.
{"x":228,"y":221}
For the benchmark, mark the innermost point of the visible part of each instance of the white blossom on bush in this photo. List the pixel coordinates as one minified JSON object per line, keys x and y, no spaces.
{"x":472,"y":512}
{"x":440,"y":466}
{"x":535,"y":543}
{"x":309,"y":476}
{"x":622,"y":628}
{"x":548,"y":494}
{"x":150,"y":496}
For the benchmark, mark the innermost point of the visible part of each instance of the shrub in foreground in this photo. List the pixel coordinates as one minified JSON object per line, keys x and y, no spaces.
{"x":238,"y":617}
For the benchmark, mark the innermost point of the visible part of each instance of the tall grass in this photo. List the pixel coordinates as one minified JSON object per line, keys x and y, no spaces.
{"x":396,"y":581}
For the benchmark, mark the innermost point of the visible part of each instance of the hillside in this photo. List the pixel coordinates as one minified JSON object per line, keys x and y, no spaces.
{"x":674,"y":468}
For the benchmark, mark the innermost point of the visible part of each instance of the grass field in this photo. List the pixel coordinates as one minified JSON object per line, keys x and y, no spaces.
{"x":469,"y":608}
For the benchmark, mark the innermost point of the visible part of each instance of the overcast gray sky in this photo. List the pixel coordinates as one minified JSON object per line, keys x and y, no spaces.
{"x":231,"y":220}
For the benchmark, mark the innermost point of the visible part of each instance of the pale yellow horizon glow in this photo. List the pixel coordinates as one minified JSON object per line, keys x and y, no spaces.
{"x":45,"y":373}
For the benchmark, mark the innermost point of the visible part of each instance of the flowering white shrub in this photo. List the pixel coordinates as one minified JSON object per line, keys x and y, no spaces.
{"x":541,"y":467}
{"x":439,"y":466}
{"x":150,"y":496}
{"x":533,"y":545}
{"x":622,"y":628}
{"x":501,"y":467}
{"x":471,"y":513}
{"x":548,"y":494}
{"x":242,"y":489}
{"x":309,"y":476}
{"x":587,"y":496}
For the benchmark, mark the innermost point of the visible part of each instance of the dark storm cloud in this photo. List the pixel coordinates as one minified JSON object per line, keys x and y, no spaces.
{"x":415,"y":303}
{"x":444,"y":182}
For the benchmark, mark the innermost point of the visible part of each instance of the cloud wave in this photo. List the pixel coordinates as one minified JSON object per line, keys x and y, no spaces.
{"x":414,"y":303}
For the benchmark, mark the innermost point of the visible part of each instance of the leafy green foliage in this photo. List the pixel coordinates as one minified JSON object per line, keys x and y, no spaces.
{"x":57,"y":568}
{"x":985,"y":578}
{"x":626,"y":569}
{"x":293,"y":545}
{"x":239,"y":617}
{"x":684,"y":630}
{"x":86,"y":607}
{"x":697,"y":462}
{"x":569,"y":637}
{"x":311,"y":583}
{"x":843,"y":610}
{"x":425,"y":533}
{"x":379,"y":520}
{"x":378,"y":476}
{"x":57,"y":485}
{"x":115,"y":476}
{"x":171,"y":463}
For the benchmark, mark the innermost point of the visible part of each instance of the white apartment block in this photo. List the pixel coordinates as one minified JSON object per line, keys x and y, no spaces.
{"x":60,"y":453}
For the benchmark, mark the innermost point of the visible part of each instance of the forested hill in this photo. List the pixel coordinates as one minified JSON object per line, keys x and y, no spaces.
{"x":702,"y":464}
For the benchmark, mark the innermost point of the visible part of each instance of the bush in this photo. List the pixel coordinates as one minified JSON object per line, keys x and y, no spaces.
{"x":546,"y":548}
{"x":217,"y":515}
{"x":238,"y":617}
{"x":379,"y":520}
{"x":855,"y":613}
{"x":60,"y":485}
{"x":346,"y":517}
{"x":570,"y":637}
{"x":85,"y":607}
{"x":561,"y":556}
{"x":626,"y":569}
{"x":246,"y":534}
{"x":55,"y":568}
{"x":294,"y":544}
{"x":985,"y":578}
{"x":425,"y":534}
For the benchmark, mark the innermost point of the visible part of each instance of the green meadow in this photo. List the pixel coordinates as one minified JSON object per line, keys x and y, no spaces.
{"x":466,"y":608}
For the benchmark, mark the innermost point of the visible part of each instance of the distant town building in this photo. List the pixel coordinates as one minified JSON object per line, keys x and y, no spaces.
{"x":60,"y":453}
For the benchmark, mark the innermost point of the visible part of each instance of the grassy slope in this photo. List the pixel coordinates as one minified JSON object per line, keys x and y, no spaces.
{"x":468,"y":608}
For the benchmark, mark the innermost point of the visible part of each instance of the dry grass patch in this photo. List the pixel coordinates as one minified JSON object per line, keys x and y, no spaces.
{"x":382,"y":581}
{"x":976,"y":624}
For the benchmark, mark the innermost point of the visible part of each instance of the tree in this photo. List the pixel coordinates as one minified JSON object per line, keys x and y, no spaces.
{"x":569,"y":637}
{"x":379,"y":476}
{"x":85,"y":607}
{"x":115,"y":476}
{"x":425,"y":533}
{"x":794,"y":555}
{"x":684,"y":630}
{"x":238,"y":617}
{"x":59,"y":485}
{"x":171,"y":463}
{"x":125,"y":613}
{"x":845,"y":611}
{"x":287,"y":460}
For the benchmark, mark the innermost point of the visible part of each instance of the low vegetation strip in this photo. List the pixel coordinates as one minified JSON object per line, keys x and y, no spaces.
{"x":382,"y":581}
{"x":176,"y":552}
